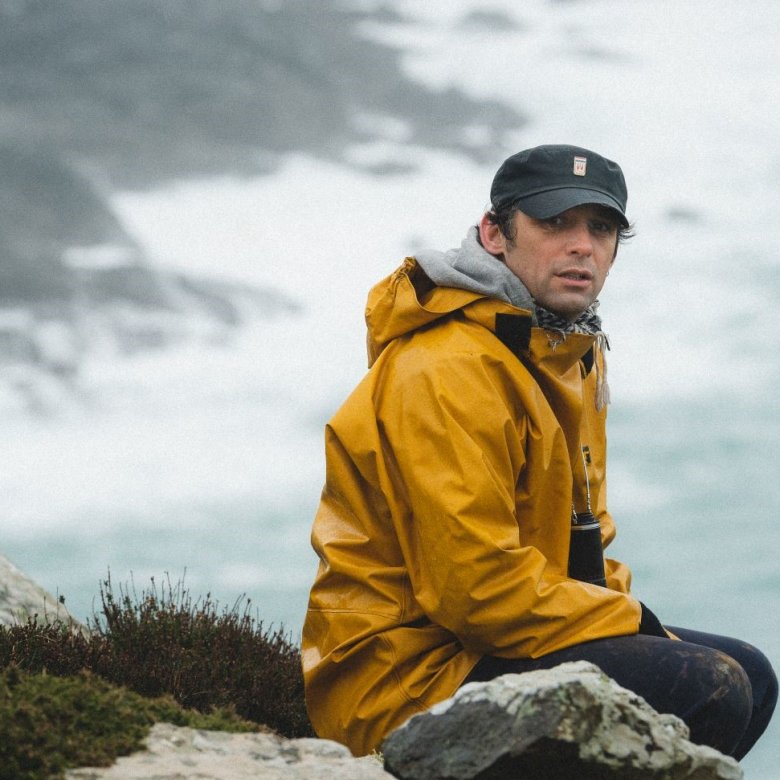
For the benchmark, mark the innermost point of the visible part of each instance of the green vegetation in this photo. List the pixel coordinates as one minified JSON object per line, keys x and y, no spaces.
{"x":75,"y":698}
{"x":49,"y":724}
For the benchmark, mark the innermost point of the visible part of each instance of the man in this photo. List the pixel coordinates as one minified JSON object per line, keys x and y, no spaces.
{"x":463,"y":520}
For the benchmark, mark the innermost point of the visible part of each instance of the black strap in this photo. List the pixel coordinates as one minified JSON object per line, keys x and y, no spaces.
{"x":588,"y":359}
{"x":514,"y":332}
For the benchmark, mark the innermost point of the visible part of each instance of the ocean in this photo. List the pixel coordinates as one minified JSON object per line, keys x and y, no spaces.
{"x":204,"y":461}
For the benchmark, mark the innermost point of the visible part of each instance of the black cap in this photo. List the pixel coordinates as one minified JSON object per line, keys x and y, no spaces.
{"x":547,"y":180}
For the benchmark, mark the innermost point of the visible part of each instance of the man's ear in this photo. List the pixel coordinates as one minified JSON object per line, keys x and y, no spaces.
{"x":493,"y":240}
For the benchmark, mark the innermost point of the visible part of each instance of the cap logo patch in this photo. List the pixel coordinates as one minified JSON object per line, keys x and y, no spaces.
{"x":580,"y":165}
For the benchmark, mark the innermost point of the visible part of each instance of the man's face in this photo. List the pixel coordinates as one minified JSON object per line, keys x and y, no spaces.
{"x":563,"y":261}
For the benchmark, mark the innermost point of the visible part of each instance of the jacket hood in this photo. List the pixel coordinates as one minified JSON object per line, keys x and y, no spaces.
{"x":434,"y":284}
{"x":470,"y":267}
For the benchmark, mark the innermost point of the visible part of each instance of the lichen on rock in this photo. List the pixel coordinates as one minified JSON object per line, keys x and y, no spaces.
{"x":571,"y":722}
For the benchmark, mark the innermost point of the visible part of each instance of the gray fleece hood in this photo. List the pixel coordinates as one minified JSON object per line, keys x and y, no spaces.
{"x":470,"y":267}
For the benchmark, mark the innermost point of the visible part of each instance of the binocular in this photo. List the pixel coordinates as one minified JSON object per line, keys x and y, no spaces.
{"x":586,"y":554}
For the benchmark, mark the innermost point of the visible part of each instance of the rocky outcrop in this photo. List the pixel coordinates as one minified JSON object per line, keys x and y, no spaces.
{"x":173,"y":753}
{"x":22,"y":598}
{"x":569,"y":723}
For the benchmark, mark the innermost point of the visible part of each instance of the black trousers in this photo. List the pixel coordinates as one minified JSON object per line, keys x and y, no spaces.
{"x":724,"y":689}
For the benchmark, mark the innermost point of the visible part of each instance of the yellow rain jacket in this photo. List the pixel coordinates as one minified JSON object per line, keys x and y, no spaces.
{"x":443,"y":529}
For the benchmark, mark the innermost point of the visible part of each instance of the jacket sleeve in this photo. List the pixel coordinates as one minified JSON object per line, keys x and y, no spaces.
{"x":618,"y":574}
{"x":458,"y":450}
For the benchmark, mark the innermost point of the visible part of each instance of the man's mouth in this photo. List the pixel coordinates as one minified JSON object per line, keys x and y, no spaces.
{"x":577,"y":276}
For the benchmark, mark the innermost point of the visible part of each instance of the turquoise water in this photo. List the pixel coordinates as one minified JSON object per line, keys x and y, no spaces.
{"x":704,"y":551}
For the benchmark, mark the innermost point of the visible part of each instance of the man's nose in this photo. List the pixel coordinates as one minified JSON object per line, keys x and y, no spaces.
{"x":579,"y":239}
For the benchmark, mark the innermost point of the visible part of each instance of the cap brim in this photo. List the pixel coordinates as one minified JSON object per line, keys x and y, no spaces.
{"x":543,"y":205}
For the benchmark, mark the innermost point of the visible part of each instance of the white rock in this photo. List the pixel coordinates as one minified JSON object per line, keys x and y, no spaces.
{"x":21,"y":598}
{"x":174,"y":753}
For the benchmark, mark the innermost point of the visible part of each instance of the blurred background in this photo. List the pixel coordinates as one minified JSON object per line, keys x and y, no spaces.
{"x":196,"y":195}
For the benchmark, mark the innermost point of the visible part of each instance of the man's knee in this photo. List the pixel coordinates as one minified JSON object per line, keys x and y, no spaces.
{"x":732,"y":687}
{"x":724,"y":704}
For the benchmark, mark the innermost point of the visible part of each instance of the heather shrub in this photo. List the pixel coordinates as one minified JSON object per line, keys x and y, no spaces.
{"x":53,"y":647}
{"x":164,"y":642}
{"x":167,"y":643}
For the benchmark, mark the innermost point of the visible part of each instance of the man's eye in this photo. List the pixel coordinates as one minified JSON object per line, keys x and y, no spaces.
{"x":556,"y":221}
{"x":602,"y":227}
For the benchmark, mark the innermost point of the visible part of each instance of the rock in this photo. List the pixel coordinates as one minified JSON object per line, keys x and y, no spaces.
{"x":174,"y":753}
{"x":567,"y":723}
{"x":21,"y":598}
